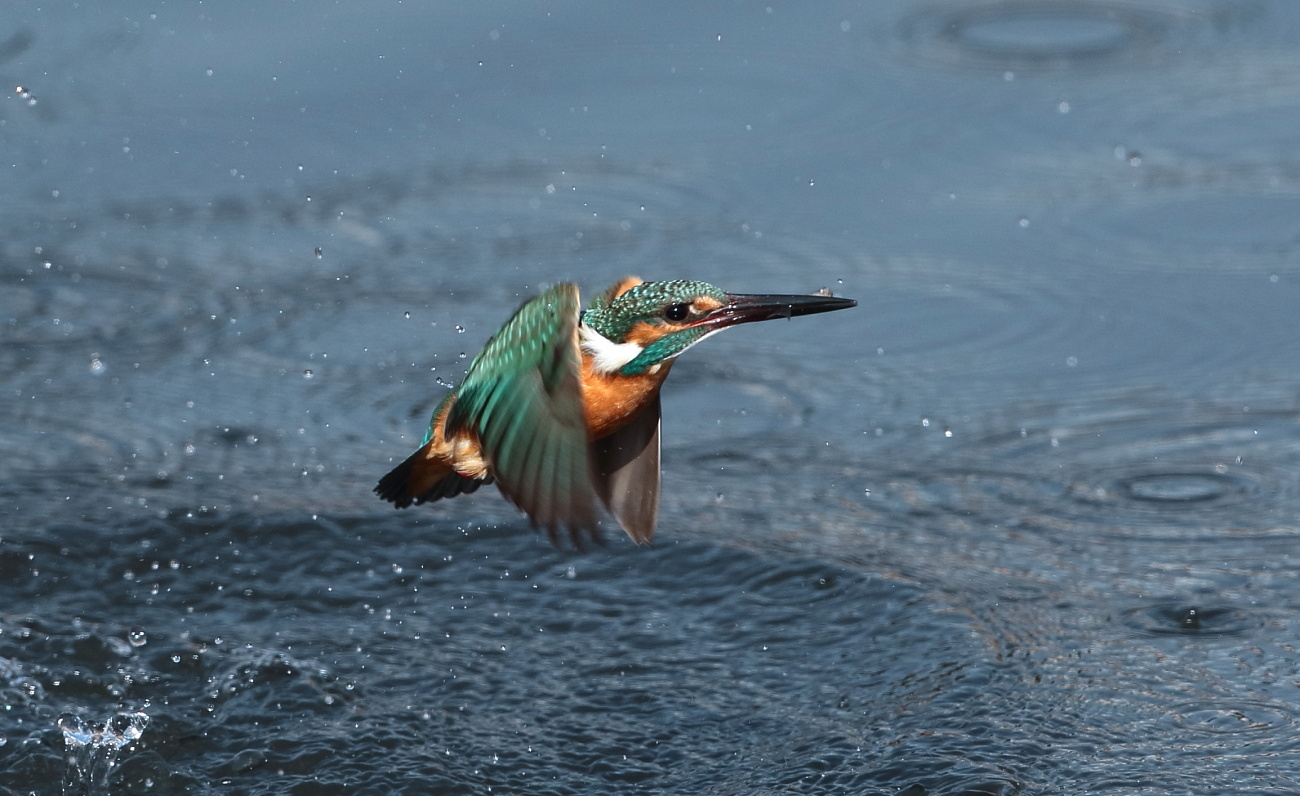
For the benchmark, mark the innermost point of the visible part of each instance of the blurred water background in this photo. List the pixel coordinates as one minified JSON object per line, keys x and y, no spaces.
{"x":1025,"y":522}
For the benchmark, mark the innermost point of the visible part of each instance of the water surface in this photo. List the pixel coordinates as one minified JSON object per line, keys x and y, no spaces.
{"x":1024,"y":522}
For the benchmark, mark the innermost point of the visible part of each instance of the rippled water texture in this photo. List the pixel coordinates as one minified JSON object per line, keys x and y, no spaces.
{"x":1026,"y":521}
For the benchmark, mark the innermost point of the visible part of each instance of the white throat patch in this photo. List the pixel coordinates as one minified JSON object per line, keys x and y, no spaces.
{"x":606,"y":355}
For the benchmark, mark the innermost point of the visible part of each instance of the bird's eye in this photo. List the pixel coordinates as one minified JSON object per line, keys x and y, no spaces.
{"x":677,"y":312}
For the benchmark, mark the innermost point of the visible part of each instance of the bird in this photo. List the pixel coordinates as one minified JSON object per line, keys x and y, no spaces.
{"x":561,"y":407}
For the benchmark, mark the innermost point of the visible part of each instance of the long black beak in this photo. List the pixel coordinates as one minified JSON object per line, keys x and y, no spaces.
{"x":748,"y":308}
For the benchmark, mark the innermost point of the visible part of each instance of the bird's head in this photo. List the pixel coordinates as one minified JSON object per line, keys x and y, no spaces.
{"x":636,"y":326}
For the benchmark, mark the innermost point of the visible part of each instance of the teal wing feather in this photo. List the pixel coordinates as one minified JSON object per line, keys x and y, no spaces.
{"x":522,"y":397}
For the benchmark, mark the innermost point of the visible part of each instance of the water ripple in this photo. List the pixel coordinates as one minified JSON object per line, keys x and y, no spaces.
{"x":1228,"y":229}
{"x":1047,"y":35}
{"x":111,"y":322}
{"x":1190,"y":620}
{"x":1162,"y":476}
{"x":1233,"y":717}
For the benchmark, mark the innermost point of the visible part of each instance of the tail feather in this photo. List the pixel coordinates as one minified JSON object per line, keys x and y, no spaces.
{"x":420,"y":479}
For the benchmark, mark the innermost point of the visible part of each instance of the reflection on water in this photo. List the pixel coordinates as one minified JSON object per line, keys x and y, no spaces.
{"x":1025,"y":523}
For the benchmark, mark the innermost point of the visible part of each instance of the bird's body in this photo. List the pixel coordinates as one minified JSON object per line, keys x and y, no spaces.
{"x":561,"y":408}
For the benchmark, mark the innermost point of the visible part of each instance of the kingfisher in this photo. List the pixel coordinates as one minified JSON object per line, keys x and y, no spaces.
{"x":561,"y":407}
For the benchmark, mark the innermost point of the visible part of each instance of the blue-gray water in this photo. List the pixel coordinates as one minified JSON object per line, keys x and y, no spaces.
{"x":1026,"y":521}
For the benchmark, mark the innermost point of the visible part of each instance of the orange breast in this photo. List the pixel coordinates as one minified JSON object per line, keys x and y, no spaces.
{"x":610,"y":400}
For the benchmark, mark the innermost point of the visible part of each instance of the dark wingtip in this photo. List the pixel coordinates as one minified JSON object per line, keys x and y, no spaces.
{"x":393,"y":486}
{"x":450,"y":486}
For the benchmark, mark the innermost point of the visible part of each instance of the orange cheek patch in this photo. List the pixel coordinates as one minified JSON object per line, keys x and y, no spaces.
{"x":643,"y":334}
{"x":704,"y":304}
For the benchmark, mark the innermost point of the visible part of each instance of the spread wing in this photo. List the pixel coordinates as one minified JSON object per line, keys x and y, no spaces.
{"x":522,"y":397}
{"x":626,"y":465}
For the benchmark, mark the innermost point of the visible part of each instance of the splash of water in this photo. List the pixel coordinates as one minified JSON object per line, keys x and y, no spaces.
{"x":92,"y":749}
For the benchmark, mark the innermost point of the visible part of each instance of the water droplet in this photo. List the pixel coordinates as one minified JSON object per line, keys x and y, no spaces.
{"x":1213,"y":621}
{"x":126,"y":727}
{"x":461,"y":355}
{"x":1024,"y":222}
{"x":459,"y":329}
{"x":208,"y":72}
{"x":137,"y":637}
{"x":1063,"y":107}
{"x":76,"y":733}
{"x":96,"y":364}
{"x":307,"y":374}
{"x":406,"y":315}
{"x":319,"y":252}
